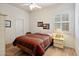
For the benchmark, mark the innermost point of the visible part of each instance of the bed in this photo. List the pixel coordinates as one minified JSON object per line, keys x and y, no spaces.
{"x":33,"y":44}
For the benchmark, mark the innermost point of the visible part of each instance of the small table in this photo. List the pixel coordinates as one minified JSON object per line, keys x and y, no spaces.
{"x":58,"y":42}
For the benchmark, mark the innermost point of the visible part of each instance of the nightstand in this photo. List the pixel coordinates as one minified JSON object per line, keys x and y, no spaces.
{"x":58,"y":42}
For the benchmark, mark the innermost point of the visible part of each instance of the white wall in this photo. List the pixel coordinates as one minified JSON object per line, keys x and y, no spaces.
{"x":46,"y":15}
{"x":14,"y":13}
{"x":77,"y":28}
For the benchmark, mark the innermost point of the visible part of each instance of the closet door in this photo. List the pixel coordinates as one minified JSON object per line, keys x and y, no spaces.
{"x":19,"y":27}
{"x":2,"y":36}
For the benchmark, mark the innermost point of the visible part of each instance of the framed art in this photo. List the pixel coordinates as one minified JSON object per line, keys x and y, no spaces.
{"x":40,"y":24}
{"x":46,"y":26}
{"x":7,"y":23}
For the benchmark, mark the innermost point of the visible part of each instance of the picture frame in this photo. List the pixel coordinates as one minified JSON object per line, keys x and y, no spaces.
{"x":46,"y":26}
{"x":8,"y":23}
{"x":40,"y":24}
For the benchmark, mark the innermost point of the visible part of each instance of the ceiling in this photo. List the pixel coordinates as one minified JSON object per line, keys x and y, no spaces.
{"x":43,"y":5}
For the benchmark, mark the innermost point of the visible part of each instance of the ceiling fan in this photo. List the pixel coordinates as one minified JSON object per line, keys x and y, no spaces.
{"x":32,"y":5}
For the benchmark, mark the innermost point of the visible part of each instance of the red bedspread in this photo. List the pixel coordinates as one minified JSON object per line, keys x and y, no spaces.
{"x":36,"y":42}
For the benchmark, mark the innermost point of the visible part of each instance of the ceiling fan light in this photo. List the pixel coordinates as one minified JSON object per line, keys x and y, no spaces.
{"x":31,"y":7}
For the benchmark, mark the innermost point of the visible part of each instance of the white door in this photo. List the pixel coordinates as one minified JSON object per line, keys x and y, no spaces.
{"x":2,"y":36}
{"x":19,"y":27}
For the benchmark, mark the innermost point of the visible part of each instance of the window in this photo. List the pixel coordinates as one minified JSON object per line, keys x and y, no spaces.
{"x":62,"y":22}
{"x":65,"y":26}
{"x":57,"y":25}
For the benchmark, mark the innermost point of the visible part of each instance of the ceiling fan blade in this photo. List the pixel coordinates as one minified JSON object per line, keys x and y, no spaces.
{"x":27,"y":4}
{"x":38,"y":6}
{"x":35,"y":5}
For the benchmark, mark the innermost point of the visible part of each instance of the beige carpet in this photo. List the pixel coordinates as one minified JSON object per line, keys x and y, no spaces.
{"x":51,"y":51}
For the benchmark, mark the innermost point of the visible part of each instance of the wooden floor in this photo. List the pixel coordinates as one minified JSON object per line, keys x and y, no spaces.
{"x":51,"y":51}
